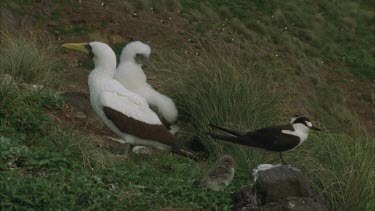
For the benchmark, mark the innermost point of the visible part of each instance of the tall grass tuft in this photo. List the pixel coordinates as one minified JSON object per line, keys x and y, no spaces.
{"x":223,"y":87}
{"x":219,"y":86}
{"x":26,"y":58}
{"x":341,"y":169}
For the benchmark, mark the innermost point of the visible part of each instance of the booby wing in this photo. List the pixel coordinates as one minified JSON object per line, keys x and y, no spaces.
{"x":132,"y":115}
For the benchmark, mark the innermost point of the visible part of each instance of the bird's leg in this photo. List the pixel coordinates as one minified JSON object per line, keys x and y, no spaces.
{"x":119,"y":140}
{"x":281,"y":156}
{"x":130,"y":150}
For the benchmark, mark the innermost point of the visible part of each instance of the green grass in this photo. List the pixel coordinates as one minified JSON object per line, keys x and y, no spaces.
{"x":45,"y":165}
{"x":226,"y":89}
{"x":338,"y":33}
{"x":340,"y":168}
{"x":49,"y":165}
{"x":27,"y":58}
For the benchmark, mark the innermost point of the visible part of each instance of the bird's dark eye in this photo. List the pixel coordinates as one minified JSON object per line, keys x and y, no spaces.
{"x":89,"y":48}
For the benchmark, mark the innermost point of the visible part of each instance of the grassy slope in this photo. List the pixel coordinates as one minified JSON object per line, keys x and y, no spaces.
{"x":45,"y":165}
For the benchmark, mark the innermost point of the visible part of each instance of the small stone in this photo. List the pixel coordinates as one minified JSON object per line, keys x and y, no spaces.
{"x":36,"y":87}
{"x":80,"y":115}
{"x":143,"y":150}
{"x":32,"y":87}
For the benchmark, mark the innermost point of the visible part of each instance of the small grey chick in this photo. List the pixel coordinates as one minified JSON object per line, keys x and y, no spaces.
{"x":221,"y":176}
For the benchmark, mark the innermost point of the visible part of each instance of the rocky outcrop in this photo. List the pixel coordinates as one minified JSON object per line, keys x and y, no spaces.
{"x":277,"y":187}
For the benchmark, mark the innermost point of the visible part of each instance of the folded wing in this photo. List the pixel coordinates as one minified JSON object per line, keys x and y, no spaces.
{"x":132,"y":115}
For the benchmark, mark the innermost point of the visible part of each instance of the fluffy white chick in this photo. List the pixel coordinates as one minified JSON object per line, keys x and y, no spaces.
{"x":131,"y":75}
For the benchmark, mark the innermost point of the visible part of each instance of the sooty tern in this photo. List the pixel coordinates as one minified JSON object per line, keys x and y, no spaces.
{"x":278,"y":138}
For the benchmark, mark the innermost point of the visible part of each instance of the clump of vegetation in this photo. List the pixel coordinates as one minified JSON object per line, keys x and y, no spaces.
{"x":26,"y":58}
{"x":340,"y":167}
{"x":226,"y":89}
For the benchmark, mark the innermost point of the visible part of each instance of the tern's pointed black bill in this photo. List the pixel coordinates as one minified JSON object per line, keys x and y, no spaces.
{"x":317,"y":129}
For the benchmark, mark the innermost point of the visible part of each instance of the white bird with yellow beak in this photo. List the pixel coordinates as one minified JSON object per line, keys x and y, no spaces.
{"x":127,"y":114}
{"x":130,"y":74}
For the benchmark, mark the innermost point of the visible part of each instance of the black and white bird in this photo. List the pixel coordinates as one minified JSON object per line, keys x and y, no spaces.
{"x":126,"y":113}
{"x":131,"y":75}
{"x":221,"y":176}
{"x":278,"y":138}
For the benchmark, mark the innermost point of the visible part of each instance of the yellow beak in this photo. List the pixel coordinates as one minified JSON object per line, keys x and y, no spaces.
{"x":80,"y":47}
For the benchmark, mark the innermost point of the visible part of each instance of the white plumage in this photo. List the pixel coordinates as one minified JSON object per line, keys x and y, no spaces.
{"x":124,"y":112}
{"x":105,"y":91}
{"x":130,"y":74}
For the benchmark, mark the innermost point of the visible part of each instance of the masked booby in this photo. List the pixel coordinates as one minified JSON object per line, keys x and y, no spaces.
{"x":126,"y":113}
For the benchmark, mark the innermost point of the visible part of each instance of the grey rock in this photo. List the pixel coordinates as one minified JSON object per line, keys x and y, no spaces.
{"x":80,"y":115}
{"x":278,"y":187}
{"x":279,"y":183}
